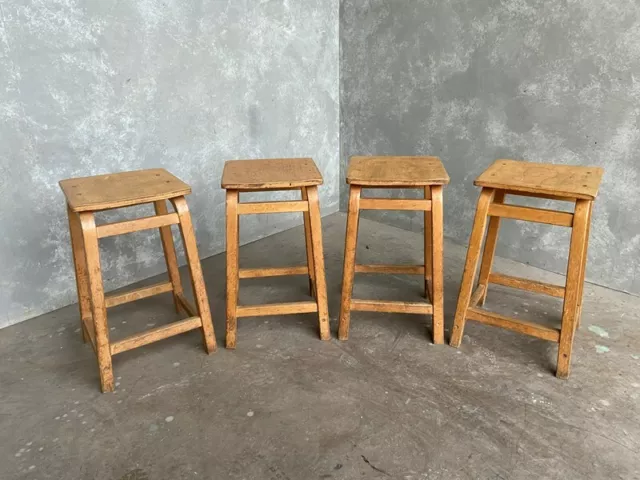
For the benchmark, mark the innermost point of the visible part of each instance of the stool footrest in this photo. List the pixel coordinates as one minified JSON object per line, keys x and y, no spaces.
{"x":391,"y":306}
{"x":520,"y":326}
{"x":525,"y":284}
{"x":272,"y":272}
{"x":538,"y":215}
{"x":397,"y":269}
{"x":394,"y":204}
{"x":138,"y":294}
{"x":129,"y":226}
{"x":252,"y":208}
{"x":155,"y":334}
{"x":276,"y":309}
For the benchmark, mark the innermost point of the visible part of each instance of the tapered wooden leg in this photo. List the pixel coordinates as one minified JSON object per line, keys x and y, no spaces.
{"x":195,"y":269}
{"x":428,"y":250}
{"x":169,"y":254}
{"x":572,"y":288}
{"x":471,"y":265}
{"x":490,"y":248}
{"x":309,"y":245}
{"x":233,"y":280}
{"x":79,"y":263}
{"x":98,"y":307}
{"x":318,"y":261}
{"x":583,"y":271}
{"x":437,"y":252}
{"x":348,"y":269}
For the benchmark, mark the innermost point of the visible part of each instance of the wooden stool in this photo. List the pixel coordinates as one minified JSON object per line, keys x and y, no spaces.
{"x":88,"y":195}
{"x":556,"y":182}
{"x":426,"y":173}
{"x":266,"y":175}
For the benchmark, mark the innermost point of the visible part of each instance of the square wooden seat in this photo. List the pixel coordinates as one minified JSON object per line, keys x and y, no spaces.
{"x":270,"y":174}
{"x":87,"y":195}
{"x":575,"y":184}
{"x":426,"y":173}
{"x":264,"y":175}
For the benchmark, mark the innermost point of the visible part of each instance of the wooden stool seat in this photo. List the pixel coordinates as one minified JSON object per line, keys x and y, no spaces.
{"x":122,"y":189}
{"x":426,"y":173}
{"x":575,"y":184}
{"x":270,"y":174}
{"x":90,"y":194}
{"x":265,"y":175}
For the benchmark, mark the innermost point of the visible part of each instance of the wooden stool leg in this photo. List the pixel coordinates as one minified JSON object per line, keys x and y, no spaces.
{"x":79,"y":263}
{"x":428,"y":249}
{"x":572,"y":288}
{"x":318,"y":261}
{"x":437,"y":251}
{"x":195,"y":269}
{"x":98,"y":307}
{"x":309,"y":245}
{"x":169,"y":254}
{"x":584,"y":267}
{"x":348,"y":269}
{"x":471,"y":265}
{"x":490,"y":248}
{"x":233,"y":279}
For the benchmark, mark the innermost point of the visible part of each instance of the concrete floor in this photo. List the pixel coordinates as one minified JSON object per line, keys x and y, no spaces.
{"x":284,"y":405}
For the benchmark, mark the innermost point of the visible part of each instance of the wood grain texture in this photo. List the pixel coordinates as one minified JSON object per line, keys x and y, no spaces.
{"x":396,"y":171}
{"x":391,"y":269}
{"x":471,"y":264}
{"x":272,"y":272}
{"x":348,"y":268}
{"x":255,"y":208}
{"x":437,"y":251}
{"x":528,"y":214}
{"x":391,"y":306}
{"x":573,"y":289}
{"x":490,"y":247}
{"x":98,"y":307}
{"x":526,"y":284}
{"x":169,"y":249}
{"x":584,"y":266}
{"x":318,"y":262}
{"x":309,"y":247}
{"x":428,"y":249}
{"x":233,"y":281}
{"x":542,"y":178}
{"x":80,"y":266}
{"x":394,"y":204}
{"x":129,"y":226}
{"x":273,"y":173}
{"x":155,"y":334}
{"x":288,"y":308}
{"x":195,"y":269}
{"x":138,"y":294}
{"x":516,"y":325}
{"x":115,"y":190}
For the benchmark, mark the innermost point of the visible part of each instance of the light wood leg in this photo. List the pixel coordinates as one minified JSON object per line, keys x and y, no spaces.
{"x":348,"y":269}
{"x":572,"y":288}
{"x":437,"y":251}
{"x":79,"y":263}
{"x":583,"y":271}
{"x":471,"y":265}
{"x":169,"y":254}
{"x":98,"y":307}
{"x":195,"y":269}
{"x":428,"y":249}
{"x":309,"y":246}
{"x":318,"y":261}
{"x":233,"y":280}
{"x":490,"y":248}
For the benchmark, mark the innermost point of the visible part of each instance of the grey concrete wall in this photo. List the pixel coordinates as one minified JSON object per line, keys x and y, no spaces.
{"x":89,"y":87}
{"x":543,"y":80}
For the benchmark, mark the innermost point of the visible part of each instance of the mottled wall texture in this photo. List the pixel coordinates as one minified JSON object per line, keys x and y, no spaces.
{"x":89,"y":87}
{"x":472,"y":81}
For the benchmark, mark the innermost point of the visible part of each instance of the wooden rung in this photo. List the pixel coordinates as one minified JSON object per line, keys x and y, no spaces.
{"x":145,"y":223}
{"x":394,"y":204}
{"x":546,"y":196}
{"x":186,"y":305}
{"x":520,"y":326}
{"x":525,"y":284}
{"x":137,"y":294}
{"x":276,"y":309}
{"x":477,"y":295}
{"x":155,"y":334}
{"x":272,"y":272}
{"x":391,"y":306}
{"x":397,"y":269}
{"x":250,"y":208}
{"x":539,"y":215}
